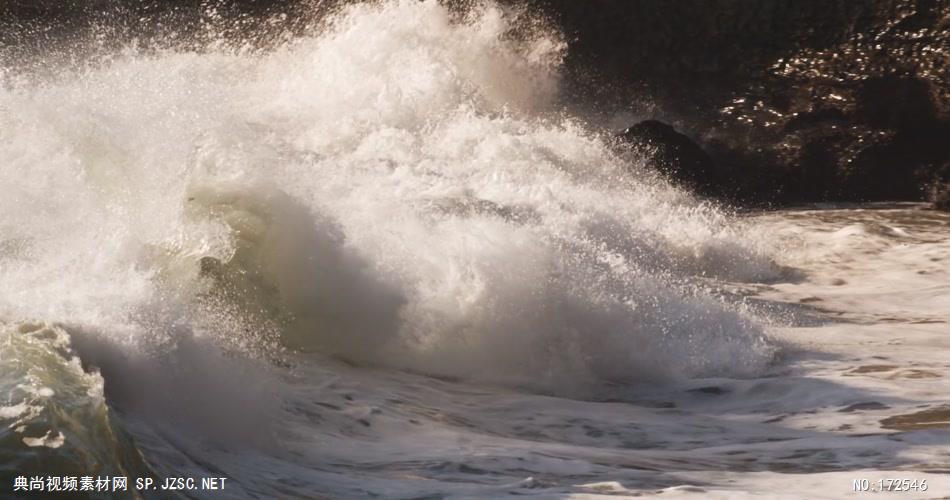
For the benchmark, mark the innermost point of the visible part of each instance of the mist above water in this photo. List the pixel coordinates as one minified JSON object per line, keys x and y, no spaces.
{"x":400,"y":188}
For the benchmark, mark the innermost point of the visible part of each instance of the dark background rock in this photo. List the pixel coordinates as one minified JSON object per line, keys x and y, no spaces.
{"x":799,"y":100}
{"x":940,"y":196}
{"x":793,"y":100}
{"x":677,"y":157}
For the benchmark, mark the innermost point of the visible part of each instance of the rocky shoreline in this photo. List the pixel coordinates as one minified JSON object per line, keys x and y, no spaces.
{"x":792,"y":101}
{"x":756,"y":102}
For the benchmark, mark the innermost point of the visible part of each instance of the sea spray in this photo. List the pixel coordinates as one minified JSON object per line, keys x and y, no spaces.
{"x":398,"y":188}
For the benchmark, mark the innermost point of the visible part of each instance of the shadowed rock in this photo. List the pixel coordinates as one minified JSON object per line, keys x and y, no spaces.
{"x":940,"y":197}
{"x":795,"y":101}
{"x":676,"y":156}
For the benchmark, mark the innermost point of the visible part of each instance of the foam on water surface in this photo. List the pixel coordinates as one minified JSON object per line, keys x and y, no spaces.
{"x":395,"y":189}
{"x":383,"y":259}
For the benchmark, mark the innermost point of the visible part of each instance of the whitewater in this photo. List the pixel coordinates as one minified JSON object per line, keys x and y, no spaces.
{"x":388,"y":258}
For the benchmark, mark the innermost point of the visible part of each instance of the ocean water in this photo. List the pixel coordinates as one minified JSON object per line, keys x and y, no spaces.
{"x":386,"y":259}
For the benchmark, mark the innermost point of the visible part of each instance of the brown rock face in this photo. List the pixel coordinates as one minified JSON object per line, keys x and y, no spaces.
{"x":801,"y":100}
{"x":940,"y":196}
{"x":792,"y":100}
{"x":676,"y":156}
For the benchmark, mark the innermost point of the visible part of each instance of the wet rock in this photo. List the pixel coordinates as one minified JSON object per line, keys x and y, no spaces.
{"x":676,"y":156}
{"x":940,"y":196}
{"x":831,"y":100}
{"x":939,"y":192}
{"x":797,"y":101}
{"x":894,"y":101}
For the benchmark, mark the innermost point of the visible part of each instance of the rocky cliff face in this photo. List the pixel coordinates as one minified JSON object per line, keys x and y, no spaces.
{"x":792,"y":100}
{"x":798,"y":100}
{"x":57,"y":29}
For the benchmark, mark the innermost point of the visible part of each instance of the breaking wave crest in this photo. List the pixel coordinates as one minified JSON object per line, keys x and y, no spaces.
{"x":400,"y":188}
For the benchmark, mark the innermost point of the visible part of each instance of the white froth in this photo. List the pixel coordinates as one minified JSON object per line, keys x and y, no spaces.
{"x":395,"y":189}
{"x":215,"y":230}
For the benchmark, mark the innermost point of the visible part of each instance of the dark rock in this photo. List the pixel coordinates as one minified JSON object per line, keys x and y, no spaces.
{"x":940,"y":196}
{"x":811,"y":119}
{"x":802,"y":101}
{"x":40,"y":33}
{"x":675,"y":155}
{"x":796,"y":101}
{"x":894,"y":101}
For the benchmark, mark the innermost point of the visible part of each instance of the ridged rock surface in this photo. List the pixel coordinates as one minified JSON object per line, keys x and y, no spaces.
{"x":798,"y":100}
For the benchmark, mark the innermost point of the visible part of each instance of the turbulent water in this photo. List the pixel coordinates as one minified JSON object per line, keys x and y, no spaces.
{"x":385,"y":259}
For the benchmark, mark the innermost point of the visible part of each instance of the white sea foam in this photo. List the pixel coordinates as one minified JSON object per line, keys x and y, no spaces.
{"x":235,"y":249}
{"x":395,"y":189}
